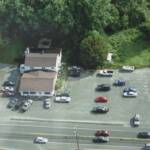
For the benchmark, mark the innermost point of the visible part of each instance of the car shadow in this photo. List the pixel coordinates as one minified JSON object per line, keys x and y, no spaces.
{"x":131,"y":123}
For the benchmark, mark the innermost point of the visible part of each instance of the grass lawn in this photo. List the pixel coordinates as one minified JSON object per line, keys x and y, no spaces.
{"x":9,"y":53}
{"x":130,"y":48}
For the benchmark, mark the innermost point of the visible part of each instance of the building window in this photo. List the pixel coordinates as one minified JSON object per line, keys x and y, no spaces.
{"x":25,"y":93}
{"x":47,"y":93}
{"x":32,"y":92}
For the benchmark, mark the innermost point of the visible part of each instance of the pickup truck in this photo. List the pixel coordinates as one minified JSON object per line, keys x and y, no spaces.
{"x":105,"y":73}
{"x":127,"y":68}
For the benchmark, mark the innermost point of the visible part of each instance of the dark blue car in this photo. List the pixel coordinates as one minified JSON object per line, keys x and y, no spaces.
{"x":119,"y":83}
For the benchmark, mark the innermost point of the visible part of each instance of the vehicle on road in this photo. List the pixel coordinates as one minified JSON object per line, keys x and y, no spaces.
{"x":136,"y":120}
{"x":27,"y":104}
{"x":119,"y":83}
{"x":130,"y":94}
{"x":101,"y":139}
{"x":47,"y":103}
{"x":101,"y":99}
{"x":9,"y":83}
{"x":103,"y":87}
{"x":40,"y":140}
{"x":100,"y":109}
{"x":105,"y":73}
{"x":127,"y":68}
{"x":143,"y":135}
{"x":104,"y":133}
{"x":62,"y":98}
{"x":147,"y":146}
{"x":12,"y":103}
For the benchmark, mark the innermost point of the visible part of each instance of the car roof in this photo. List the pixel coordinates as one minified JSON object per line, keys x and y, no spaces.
{"x":147,"y":144}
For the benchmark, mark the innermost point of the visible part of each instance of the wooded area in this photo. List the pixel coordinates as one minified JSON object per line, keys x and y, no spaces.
{"x":85,"y":29}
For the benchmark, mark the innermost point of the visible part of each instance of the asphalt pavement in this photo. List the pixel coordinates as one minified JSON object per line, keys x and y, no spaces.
{"x":61,"y":121}
{"x":64,"y":134}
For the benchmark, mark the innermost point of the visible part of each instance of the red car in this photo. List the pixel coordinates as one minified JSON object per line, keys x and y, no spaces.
{"x":102,"y":133}
{"x":101,"y":99}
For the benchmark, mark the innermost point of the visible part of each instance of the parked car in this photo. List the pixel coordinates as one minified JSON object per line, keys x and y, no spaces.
{"x":27,"y":104}
{"x":9,"y":89}
{"x":130,"y":89}
{"x":105,"y":73}
{"x":18,"y":105}
{"x":119,"y":83}
{"x":8,"y":93}
{"x":101,"y":99}
{"x":147,"y":146}
{"x":102,"y":133}
{"x":100,"y":109}
{"x":47,"y":103}
{"x":103,"y":87}
{"x":144,"y":135}
{"x":62,"y":98}
{"x":127,"y":68}
{"x":74,"y":71}
{"x":12,"y":103}
{"x":9,"y":83}
{"x":136,"y":120}
{"x":101,"y":139}
{"x":130,"y":94}
{"x":40,"y":140}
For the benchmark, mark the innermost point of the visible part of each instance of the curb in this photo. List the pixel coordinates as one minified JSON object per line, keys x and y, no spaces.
{"x":68,"y":121}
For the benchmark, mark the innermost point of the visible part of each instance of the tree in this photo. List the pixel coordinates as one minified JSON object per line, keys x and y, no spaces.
{"x":145,"y":28}
{"x":93,"y":50}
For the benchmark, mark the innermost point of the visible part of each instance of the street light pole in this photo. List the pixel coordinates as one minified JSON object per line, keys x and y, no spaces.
{"x":77,"y":138}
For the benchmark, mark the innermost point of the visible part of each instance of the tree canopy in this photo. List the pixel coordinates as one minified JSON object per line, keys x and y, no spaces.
{"x":67,"y":22}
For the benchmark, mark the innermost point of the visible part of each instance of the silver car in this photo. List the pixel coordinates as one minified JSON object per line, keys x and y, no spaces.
{"x":147,"y":146}
{"x":40,"y":140}
{"x":47,"y":103}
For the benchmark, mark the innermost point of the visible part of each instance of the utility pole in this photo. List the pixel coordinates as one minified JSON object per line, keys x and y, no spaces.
{"x":77,"y":137}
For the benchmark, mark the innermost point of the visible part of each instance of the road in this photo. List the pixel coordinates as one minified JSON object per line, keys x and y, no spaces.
{"x":62,"y":135}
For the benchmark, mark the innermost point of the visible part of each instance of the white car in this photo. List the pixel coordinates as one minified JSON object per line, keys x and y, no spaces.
{"x":30,"y":101}
{"x":136,"y":120}
{"x":9,"y":88}
{"x":130,"y":94}
{"x":47,"y":103}
{"x":62,"y":98}
{"x":105,"y":73}
{"x":41,"y":140}
{"x":147,"y":146}
{"x":127,"y":68}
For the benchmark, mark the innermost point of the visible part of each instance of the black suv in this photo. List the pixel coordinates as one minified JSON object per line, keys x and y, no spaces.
{"x":103,"y":87}
{"x":100,"y":109}
{"x":9,"y":83}
{"x":74,"y":71}
{"x":143,"y":135}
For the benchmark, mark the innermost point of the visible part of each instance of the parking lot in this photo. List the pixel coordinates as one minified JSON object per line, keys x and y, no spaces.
{"x":83,"y":94}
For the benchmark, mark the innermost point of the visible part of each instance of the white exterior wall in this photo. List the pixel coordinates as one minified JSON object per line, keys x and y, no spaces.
{"x":38,"y":94}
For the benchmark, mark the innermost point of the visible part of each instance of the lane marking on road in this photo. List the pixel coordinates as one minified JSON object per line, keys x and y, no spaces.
{"x":68,"y":128}
{"x":51,"y":142}
{"x":81,"y":137}
{"x":69,"y":121}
